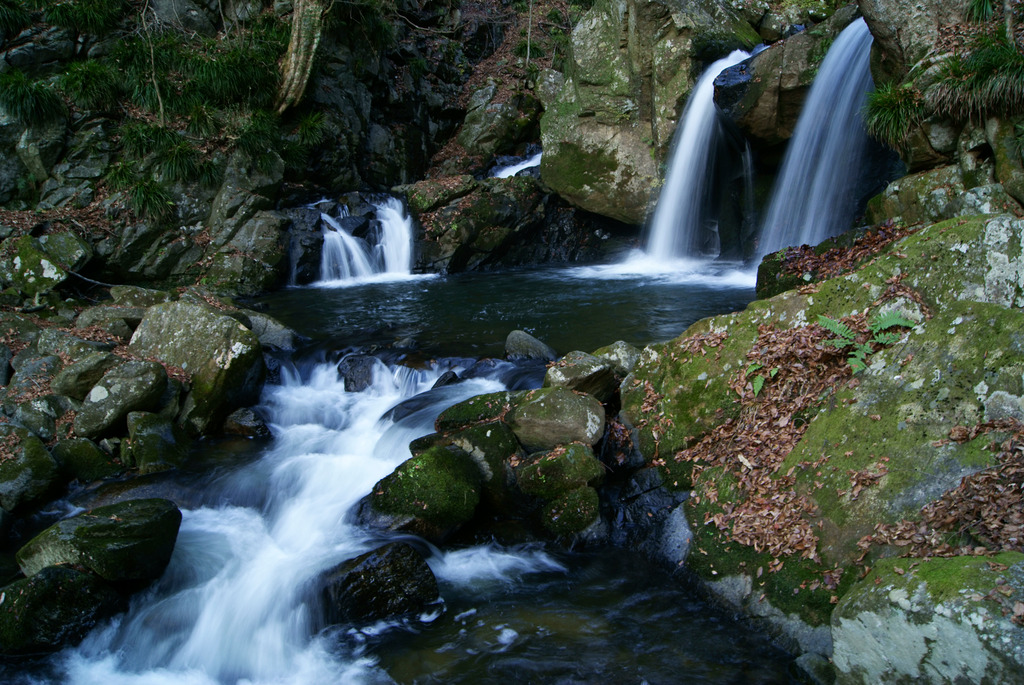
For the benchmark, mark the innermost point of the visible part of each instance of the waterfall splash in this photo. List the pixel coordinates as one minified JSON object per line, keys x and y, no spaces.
{"x":238,"y":602}
{"x":513,"y":169}
{"x":683,"y":224}
{"x":813,"y":198}
{"x":387,"y":251}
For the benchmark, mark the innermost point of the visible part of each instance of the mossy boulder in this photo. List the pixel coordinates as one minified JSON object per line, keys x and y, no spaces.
{"x":129,"y":386}
{"x":572,"y":512}
{"x":55,"y":608}
{"x":549,"y":475}
{"x":494,"y":125}
{"x":521,"y":345}
{"x":28,"y":267}
{"x":253,"y":259}
{"x":28,"y":472}
{"x":155,"y":443}
{"x":439,"y":489}
{"x":128,"y":542}
{"x":82,"y":459}
{"x":621,"y":354}
{"x":79,"y":378}
{"x":493,"y":446}
{"x":584,"y":373}
{"x":479,"y":409}
{"x":430,"y":194}
{"x":937,"y":620}
{"x":546,"y":418}
{"x":222,"y":356}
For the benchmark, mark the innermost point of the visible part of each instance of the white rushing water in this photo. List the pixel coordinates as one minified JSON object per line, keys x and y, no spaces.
{"x":386,"y":255}
{"x":239,"y":601}
{"x":513,"y":169}
{"x":682,"y":227}
{"x":813,"y":196}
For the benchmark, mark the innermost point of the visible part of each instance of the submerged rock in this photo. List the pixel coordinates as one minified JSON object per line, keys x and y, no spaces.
{"x":387,"y":583}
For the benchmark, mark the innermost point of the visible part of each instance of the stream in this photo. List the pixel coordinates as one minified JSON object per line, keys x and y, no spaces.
{"x":264,"y":519}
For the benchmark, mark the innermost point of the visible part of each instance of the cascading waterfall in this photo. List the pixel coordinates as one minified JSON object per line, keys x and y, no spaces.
{"x":346,"y":258}
{"x":682,"y":225}
{"x":513,"y":169}
{"x":813,"y":196}
{"x":238,"y":602}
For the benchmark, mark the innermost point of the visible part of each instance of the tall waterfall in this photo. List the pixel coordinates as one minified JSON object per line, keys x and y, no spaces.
{"x":388,"y":250}
{"x":682,"y":225}
{"x":813,"y":198}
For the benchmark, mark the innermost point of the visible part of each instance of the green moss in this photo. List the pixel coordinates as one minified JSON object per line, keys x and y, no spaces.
{"x":479,"y":409}
{"x":440,"y":485}
{"x":578,"y":169}
{"x":572,"y":512}
{"x":551,"y":474}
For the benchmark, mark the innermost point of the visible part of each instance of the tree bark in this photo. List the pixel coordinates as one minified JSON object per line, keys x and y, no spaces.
{"x":307,"y":23}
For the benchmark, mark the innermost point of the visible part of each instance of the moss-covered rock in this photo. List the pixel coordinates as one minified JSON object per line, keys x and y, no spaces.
{"x":493,"y":446}
{"x":27,"y":470}
{"x":440,"y":487}
{"x":549,"y":475}
{"x":54,"y":609}
{"x":79,"y":378}
{"x":621,"y":354}
{"x":479,"y":409}
{"x":25,"y":265}
{"x":430,"y":194}
{"x":938,"y":620}
{"x":222,"y":356}
{"x":584,"y":373}
{"x":546,"y":418}
{"x":493,"y":126}
{"x":82,"y":459}
{"x":127,"y":387}
{"x":155,"y":443}
{"x":127,"y":542}
{"x":572,"y":512}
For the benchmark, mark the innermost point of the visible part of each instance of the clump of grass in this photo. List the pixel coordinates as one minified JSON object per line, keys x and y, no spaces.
{"x":149,"y":199}
{"x":260,"y":140}
{"x":92,"y":85}
{"x":140,"y":139}
{"x":94,"y":17}
{"x":891,"y":112}
{"x":312,"y":129}
{"x":29,"y":102}
{"x":179,"y":162}
{"x":121,"y":176}
{"x":14,"y":18}
{"x":988,"y":80}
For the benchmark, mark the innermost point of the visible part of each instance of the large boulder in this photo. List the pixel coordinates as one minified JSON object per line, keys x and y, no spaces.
{"x":253,"y":259}
{"x":584,"y":373}
{"x":633,"y":65}
{"x":906,"y":31}
{"x":941,"y":620}
{"x":128,"y":542}
{"x":494,"y":125}
{"x":127,"y":387}
{"x":387,"y":583}
{"x":223,"y":358}
{"x":53,"y":609}
{"x":27,"y":470}
{"x":546,"y":418}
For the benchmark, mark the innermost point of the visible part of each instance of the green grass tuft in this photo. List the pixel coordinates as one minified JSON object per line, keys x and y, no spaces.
{"x":140,"y":139}
{"x":988,"y":80}
{"x":179,"y":162}
{"x":92,"y":85}
{"x":260,"y":139}
{"x":93,"y":17}
{"x":149,"y":199}
{"x":312,"y":129}
{"x":29,"y":102}
{"x":891,"y":112}
{"x":13,"y":18}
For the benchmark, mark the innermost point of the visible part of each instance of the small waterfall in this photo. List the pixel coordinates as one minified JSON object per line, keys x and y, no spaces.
{"x":513,"y":169}
{"x":682,"y":225}
{"x":387,"y":251}
{"x":813,"y":198}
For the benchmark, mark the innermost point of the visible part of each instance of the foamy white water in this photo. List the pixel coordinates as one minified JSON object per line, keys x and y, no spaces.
{"x":385,"y":256}
{"x":513,"y":169}
{"x":239,"y":600}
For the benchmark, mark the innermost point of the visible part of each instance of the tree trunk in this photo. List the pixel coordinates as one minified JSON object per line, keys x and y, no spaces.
{"x":307,"y":22}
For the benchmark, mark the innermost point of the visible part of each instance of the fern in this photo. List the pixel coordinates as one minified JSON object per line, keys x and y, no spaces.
{"x":890,"y":319}
{"x":837,"y":328}
{"x":758,"y":384}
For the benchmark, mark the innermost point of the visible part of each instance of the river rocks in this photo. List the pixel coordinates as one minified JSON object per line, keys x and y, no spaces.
{"x":389,"y":582}
{"x":82,"y":459}
{"x":155,"y":443}
{"x":522,"y":345}
{"x":634,"y":63}
{"x":127,"y":543}
{"x":543,"y":419}
{"x":53,"y":609}
{"x":552,"y":474}
{"x":222,"y":356}
{"x":494,"y":127}
{"x":128,"y":387}
{"x":938,"y":620}
{"x":29,"y":268}
{"x":27,"y":470}
{"x":585,"y":373}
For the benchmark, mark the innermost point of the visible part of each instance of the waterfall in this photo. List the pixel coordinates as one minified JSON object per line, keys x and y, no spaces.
{"x":813,"y":198}
{"x":683,"y":225}
{"x":387,"y":251}
{"x":513,"y":169}
{"x":238,"y":602}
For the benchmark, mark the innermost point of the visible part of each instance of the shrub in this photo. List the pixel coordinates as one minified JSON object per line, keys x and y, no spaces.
{"x":891,"y":112}
{"x":28,"y":102}
{"x":92,"y":85}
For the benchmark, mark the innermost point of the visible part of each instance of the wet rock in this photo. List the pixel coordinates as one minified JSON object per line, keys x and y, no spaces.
{"x":223,"y":358}
{"x":357,"y":371}
{"x":479,"y":409}
{"x":493,"y":446}
{"x":584,"y":373}
{"x":155,"y":443}
{"x":253,"y":259}
{"x":54,"y":609}
{"x":28,"y":472}
{"x":127,"y":543}
{"x":572,"y":512}
{"x":82,"y":460}
{"x":129,"y":386}
{"x":430,"y":194}
{"x":549,"y":417}
{"x":247,"y":423}
{"x":522,"y":345}
{"x":493,"y":127}
{"x":389,"y":582}
{"x":270,"y":332}
{"x":937,"y":620}
{"x":551,"y":474}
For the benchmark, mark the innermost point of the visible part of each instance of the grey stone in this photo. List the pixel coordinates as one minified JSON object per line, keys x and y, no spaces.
{"x":584,"y":373}
{"x":79,"y":378}
{"x":130,"y":386}
{"x":522,"y":345}
{"x":549,"y":417}
{"x":28,"y":473}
